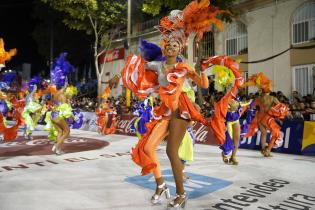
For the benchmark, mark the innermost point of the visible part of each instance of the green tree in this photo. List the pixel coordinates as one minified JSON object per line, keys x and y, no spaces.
{"x":95,"y":17}
{"x":155,"y":7}
{"x":49,"y":27}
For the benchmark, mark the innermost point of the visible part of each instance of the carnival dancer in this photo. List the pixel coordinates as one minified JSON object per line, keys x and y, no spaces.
{"x":106,"y":112}
{"x":145,"y":74}
{"x":270,"y":109}
{"x":228,"y":110}
{"x":61,"y":97}
{"x":8,"y":133}
{"x":32,"y":110}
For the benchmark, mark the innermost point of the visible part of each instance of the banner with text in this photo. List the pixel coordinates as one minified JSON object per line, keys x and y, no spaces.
{"x":298,"y":136}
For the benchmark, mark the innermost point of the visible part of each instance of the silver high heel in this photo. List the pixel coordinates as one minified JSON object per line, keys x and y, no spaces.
{"x":59,"y":152}
{"x":177,"y":206}
{"x":185,"y":177}
{"x":53,"y":149}
{"x":155,"y":199}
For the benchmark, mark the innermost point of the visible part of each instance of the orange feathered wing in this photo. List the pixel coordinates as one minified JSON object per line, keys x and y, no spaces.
{"x":5,"y":56}
{"x":10,"y":134}
{"x":137,"y":78}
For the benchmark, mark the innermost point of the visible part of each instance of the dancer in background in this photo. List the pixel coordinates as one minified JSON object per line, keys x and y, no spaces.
{"x":32,"y":110}
{"x":61,"y":97}
{"x":106,"y":112}
{"x":228,"y":110}
{"x":7,"y":133}
{"x":269,"y":110}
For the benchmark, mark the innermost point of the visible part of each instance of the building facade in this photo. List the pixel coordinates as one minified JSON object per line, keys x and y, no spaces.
{"x":276,"y":37}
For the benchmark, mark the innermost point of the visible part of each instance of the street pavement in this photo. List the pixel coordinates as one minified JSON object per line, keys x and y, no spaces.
{"x":106,"y":178}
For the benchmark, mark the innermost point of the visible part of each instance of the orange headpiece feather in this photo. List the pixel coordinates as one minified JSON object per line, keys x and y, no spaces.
{"x":197,"y":17}
{"x":106,"y":92}
{"x":259,"y":80}
{"x":5,"y":56}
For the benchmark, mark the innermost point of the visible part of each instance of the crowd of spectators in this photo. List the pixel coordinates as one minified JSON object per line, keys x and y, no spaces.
{"x":301,"y":107}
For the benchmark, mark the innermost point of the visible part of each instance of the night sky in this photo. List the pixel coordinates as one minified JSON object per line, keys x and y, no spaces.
{"x":17,"y":25}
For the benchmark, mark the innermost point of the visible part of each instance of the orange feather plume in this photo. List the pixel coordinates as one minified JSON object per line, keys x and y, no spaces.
{"x":199,"y":17}
{"x":105,"y":94}
{"x":259,"y":80}
{"x":4,"y":55}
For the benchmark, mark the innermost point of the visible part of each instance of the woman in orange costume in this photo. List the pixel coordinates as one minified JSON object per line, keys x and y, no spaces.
{"x":9,"y":134}
{"x":227,"y":72}
{"x":104,"y":111}
{"x":269,"y":109}
{"x":102,"y":116}
{"x":168,"y":79}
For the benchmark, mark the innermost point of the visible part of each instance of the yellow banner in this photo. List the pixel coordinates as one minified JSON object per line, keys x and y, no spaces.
{"x":308,"y":134}
{"x":128,"y":96}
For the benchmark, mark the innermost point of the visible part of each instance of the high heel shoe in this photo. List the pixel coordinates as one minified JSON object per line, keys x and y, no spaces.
{"x":225,"y":158}
{"x":59,"y":152}
{"x":53,"y":149}
{"x":177,"y":206}
{"x":266,"y":152}
{"x":156,"y":198}
{"x":233,"y":161}
{"x":185,"y":177}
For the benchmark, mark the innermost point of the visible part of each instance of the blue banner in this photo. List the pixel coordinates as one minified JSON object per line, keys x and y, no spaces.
{"x":292,"y":132}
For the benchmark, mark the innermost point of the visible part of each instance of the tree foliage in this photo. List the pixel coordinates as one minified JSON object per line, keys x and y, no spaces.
{"x":155,"y":7}
{"x":49,"y":23}
{"x":92,"y":16}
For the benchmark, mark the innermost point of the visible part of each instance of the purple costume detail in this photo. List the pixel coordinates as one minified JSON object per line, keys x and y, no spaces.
{"x":145,"y":116}
{"x":3,"y":107}
{"x":228,"y":145}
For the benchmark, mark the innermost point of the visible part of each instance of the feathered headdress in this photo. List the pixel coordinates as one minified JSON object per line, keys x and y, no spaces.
{"x":150,"y":51}
{"x":61,"y":68}
{"x":197,"y":17}
{"x":34,"y":83}
{"x":259,"y":80}
{"x":9,"y":77}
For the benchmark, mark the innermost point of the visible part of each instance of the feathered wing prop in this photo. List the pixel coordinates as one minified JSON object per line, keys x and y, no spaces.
{"x":200,"y":17}
{"x":60,"y":70}
{"x":150,"y":51}
{"x":5,"y":56}
{"x":224,"y":77}
{"x":71,"y":91}
{"x":259,"y":80}
{"x":106,"y":92}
